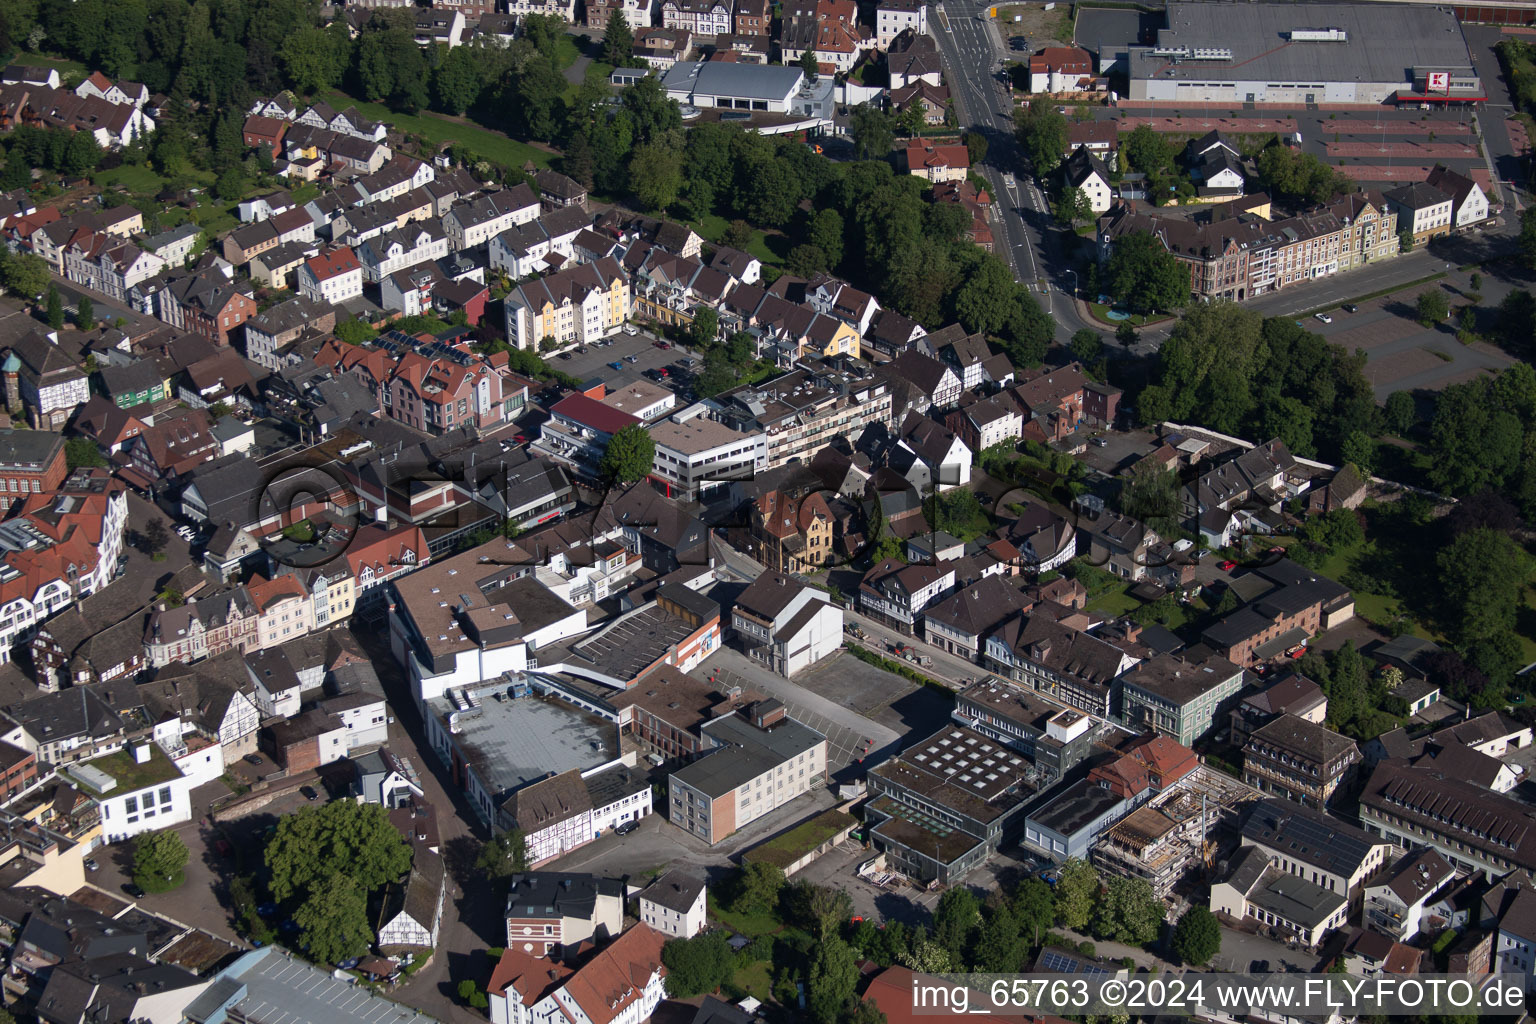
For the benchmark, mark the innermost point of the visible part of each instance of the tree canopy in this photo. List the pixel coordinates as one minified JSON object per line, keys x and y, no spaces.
{"x":1142,"y":275}
{"x":630,"y":455}
{"x":1197,"y":936}
{"x":1229,"y":369}
{"x":1042,"y":132}
{"x":158,"y":860}
{"x":337,"y":838}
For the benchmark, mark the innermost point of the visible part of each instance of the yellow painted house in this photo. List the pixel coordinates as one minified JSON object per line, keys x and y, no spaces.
{"x":829,"y":336}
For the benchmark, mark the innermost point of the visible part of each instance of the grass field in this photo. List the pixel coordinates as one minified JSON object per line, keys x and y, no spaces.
{"x":750,"y":925}
{"x":756,"y":980}
{"x":130,"y":179}
{"x":437,"y":129}
{"x":65,"y":68}
{"x":711,"y":229}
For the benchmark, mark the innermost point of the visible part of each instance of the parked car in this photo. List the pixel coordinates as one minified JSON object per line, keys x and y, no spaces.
{"x":520,"y":439}
{"x":1324,"y":317}
{"x":629,"y":329}
{"x":565,"y":355}
{"x":254,"y":759}
{"x":133,"y":889}
{"x":91,"y":865}
{"x":1350,"y":307}
{"x":662,"y":344}
{"x":1098,"y":442}
{"x":624,"y":828}
{"x":308,"y":793}
{"x":631,"y":359}
{"x":223,"y":847}
{"x":616,"y":365}
{"x":1228,"y":565}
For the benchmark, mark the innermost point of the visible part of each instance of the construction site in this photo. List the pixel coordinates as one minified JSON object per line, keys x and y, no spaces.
{"x":1164,"y":840}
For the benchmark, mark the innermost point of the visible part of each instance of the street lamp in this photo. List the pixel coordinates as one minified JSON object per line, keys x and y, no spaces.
{"x":1074,"y":282}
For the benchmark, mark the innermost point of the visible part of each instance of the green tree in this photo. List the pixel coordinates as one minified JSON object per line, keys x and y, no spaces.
{"x":618,"y":41}
{"x":757,"y":887}
{"x":986,"y":303}
{"x":1197,"y":936}
{"x":1077,"y":890}
{"x":872,"y":131}
{"x":230,"y":185}
{"x":999,"y":946}
{"x":1142,"y":275}
{"x":1147,"y":151}
{"x":1481,"y":576}
{"x":809,"y":65}
{"x":85,"y":314}
{"x":312,"y":59}
{"x":81,"y":154}
{"x":630,"y":456}
{"x":954,"y":918}
{"x":340,"y":837}
{"x":826,"y":234}
{"x":1433,"y":307}
{"x":1345,"y":686}
{"x":1034,"y":907}
{"x":504,"y":855}
{"x":705,"y":329}
{"x":25,"y":274}
{"x":1087,"y":345}
{"x":1042,"y":132}
{"x":698,"y":965}
{"x":1359,"y":449}
{"x":656,"y":175}
{"x":817,"y":909}
{"x":1150,"y":494}
{"x":353,"y":332}
{"x":1399,"y":413}
{"x":333,"y":920}
{"x":1072,"y":206}
{"x":831,"y":980}
{"x":1527,"y":239}
{"x":929,"y":956}
{"x":158,"y":860}
{"x":82,"y":452}
{"x":55,"y":315}
{"x":457,"y":81}
{"x":975,"y":146}
{"x":1129,"y":911}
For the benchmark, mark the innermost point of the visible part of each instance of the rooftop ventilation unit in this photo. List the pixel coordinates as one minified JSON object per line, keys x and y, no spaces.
{"x":1319,"y":35}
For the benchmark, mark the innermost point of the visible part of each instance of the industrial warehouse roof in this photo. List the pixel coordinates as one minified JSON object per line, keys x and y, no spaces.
{"x":1381,"y":43}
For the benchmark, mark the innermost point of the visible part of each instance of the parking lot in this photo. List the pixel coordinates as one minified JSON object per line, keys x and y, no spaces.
{"x":831,"y":697}
{"x":595,"y":361}
{"x":1404,"y":355}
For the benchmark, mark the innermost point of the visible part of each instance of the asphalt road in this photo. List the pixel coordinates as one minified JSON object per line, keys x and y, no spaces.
{"x":973,"y":53}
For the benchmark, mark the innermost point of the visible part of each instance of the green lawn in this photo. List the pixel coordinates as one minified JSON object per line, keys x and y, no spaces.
{"x":130,"y":179}
{"x":750,"y":925}
{"x":65,"y":68}
{"x":1115,"y":602}
{"x":711,"y":228}
{"x":437,"y":129}
{"x":756,"y":980}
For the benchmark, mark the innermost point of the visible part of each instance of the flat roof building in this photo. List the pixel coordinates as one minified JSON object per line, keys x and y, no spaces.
{"x":1305,"y":55}
{"x":944,"y":804}
{"x":754,"y":762}
{"x":499,"y":739}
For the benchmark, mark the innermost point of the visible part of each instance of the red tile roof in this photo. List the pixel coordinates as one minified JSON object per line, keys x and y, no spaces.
{"x":592,"y":413}
{"x":333,"y":264}
{"x":617,"y":974}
